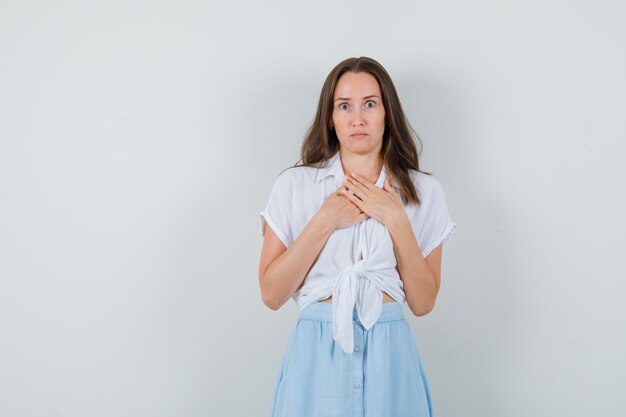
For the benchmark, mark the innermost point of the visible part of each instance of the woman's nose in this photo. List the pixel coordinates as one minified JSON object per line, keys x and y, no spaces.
{"x":358,"y":120}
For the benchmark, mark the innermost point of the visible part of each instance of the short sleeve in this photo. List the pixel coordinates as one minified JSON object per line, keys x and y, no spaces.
{"x":277,"y":212}
{"x":431,"y":221}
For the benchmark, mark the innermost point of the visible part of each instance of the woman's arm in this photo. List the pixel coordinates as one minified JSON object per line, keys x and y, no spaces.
{"x":282,"y":269}
{"x":420,"y":277}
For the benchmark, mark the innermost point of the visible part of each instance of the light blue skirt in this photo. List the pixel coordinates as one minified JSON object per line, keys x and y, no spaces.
{"x":383,"y":377}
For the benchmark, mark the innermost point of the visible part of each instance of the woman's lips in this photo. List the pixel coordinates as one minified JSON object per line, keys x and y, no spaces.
{"x":358,"y":135}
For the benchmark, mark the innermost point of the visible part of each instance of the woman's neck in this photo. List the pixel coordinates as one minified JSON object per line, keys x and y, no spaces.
{"x":367,"y":166}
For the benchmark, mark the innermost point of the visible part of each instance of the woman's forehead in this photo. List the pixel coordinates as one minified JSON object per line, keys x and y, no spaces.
{"x":356,"y":85}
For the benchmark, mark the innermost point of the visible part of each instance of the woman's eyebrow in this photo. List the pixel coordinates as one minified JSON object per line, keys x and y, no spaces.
{"x":348,"y":98}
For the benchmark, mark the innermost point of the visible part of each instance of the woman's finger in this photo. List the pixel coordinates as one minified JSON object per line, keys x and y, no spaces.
{"x":362,"y":181}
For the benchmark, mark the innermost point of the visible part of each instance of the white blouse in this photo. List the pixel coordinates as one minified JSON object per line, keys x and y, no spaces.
{"x":357,"y":263}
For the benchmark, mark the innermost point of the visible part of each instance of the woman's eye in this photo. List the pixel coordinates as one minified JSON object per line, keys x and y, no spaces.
{"x":370,"y":104}
{"x":344,"y":106}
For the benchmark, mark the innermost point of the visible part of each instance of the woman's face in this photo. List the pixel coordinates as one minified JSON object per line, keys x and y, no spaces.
{"x":358,"y":113}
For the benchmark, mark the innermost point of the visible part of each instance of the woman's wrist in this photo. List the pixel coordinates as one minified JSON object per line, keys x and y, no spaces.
{"x":323,"y":222}
{"x":397,"y":222}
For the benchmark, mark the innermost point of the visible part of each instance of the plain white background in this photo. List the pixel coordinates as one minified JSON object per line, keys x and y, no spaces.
{"x":139,"y":141}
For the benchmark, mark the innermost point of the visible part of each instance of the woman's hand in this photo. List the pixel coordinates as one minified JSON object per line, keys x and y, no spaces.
{"x":339,"y":211}
{"x":382,"y":204}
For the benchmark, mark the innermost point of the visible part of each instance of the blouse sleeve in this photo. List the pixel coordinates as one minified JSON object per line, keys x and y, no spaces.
{"x":431,"y":221}
{"x":277,"y":212}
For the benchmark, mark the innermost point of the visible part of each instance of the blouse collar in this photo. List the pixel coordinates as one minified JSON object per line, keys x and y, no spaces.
{"x":333,"y":168}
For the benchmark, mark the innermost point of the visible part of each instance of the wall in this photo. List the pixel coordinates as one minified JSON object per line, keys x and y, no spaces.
{"x":139,"y":141}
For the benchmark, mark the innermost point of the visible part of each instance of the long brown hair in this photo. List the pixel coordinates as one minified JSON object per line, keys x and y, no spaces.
{"x":399,"y":153}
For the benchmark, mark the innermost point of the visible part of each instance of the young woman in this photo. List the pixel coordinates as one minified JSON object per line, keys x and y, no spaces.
{"x":354,"y":232}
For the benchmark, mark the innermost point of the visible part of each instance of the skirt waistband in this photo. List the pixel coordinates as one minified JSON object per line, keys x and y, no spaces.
{"x":391,"y":311}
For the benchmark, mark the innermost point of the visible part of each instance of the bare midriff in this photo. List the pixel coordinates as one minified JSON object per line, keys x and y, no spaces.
{"x":386,"y":299}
